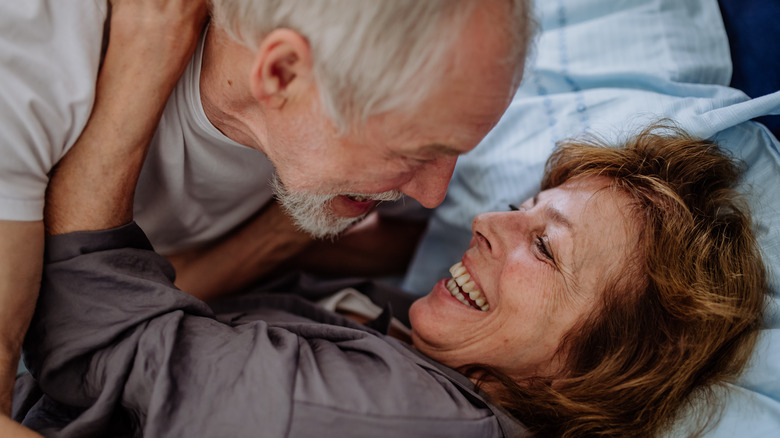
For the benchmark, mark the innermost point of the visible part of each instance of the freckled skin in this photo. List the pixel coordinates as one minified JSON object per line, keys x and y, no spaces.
{"x":533,"y":300}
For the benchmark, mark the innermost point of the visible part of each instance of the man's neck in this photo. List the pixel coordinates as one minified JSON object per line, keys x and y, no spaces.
{"x":224,"y":89}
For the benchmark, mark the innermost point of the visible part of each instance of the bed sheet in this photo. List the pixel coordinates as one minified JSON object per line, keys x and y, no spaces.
{"x":609,"y":67}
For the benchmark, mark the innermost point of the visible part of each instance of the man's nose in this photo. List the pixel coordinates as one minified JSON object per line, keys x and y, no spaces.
{"x":429,"y":183}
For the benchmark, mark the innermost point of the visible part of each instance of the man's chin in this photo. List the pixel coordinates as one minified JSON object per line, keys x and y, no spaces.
{"x":324,"y":225}
{"x":325,"y":216}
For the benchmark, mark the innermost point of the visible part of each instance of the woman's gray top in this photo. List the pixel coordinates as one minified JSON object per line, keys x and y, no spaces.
{"x":116,"y":350}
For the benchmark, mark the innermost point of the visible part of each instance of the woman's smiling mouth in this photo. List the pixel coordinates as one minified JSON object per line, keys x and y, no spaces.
{"x":465,"y":290}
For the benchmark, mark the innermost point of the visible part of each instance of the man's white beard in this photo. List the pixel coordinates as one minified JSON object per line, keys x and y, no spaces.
{"x":311,"y":212}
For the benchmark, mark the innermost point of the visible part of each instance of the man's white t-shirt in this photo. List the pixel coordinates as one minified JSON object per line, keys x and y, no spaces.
{"x":196,"y":183}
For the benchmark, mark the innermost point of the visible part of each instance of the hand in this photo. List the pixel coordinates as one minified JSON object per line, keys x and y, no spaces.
{"x":170,"y":18}
{"x":165,"y":32}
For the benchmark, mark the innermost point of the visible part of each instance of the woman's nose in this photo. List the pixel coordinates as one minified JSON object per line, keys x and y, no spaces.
{"x":494,"y":231}
{"x":483,"y":232}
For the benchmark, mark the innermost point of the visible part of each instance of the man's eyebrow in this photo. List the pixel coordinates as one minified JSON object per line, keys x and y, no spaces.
{"x":440,"y":149}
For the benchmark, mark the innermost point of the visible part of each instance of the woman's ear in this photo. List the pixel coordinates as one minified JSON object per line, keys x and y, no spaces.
{"x":282,"y":69}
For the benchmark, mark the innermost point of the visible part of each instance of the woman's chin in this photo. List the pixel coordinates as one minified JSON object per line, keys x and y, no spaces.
{"x":438,"y":317}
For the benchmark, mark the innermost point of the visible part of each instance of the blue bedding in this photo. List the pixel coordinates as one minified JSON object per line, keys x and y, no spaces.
{"x":753,"y":31}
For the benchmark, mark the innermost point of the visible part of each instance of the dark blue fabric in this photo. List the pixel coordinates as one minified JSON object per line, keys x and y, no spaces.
{"x":753,"y":28}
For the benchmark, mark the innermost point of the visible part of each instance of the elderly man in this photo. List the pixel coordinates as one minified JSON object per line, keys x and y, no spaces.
{"x":340,"y":103}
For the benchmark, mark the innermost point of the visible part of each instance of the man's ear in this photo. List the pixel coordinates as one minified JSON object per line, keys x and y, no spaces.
{"x":282,"y":69}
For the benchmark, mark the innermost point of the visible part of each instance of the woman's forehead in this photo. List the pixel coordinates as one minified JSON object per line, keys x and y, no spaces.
{"x":603,"y":228}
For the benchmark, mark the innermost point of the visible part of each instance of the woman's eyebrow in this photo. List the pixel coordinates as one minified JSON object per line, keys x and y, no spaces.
{"x":554,"y":214}
{"x":558,"y":217}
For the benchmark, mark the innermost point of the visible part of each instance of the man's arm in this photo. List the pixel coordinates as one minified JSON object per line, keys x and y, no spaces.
{"x":137,"y":77}
{"x":21,"y":250}
{"x":253,"y":250}
{"x":270,"y":242}
{"x":379,"y":246}
{"x":129,"y":100}
{"x":10,"y":428}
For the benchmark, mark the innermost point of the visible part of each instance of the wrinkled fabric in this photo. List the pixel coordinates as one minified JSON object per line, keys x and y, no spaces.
{"x":117,"y":350}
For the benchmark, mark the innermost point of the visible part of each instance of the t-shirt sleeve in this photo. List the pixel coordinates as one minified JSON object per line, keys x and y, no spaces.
{"x":49,"y":57}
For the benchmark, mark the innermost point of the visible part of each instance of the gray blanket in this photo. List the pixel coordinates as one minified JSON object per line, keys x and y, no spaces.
{"x":115,"y":349}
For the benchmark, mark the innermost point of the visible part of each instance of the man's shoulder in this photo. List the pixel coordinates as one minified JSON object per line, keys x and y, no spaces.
{"x":49,"y":58}
{"x":51,"y":48}
{"x":50,"y":51}
{"x":66,"y":34}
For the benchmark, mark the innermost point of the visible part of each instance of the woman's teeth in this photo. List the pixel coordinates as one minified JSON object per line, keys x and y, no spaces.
{"x":465,"y":290}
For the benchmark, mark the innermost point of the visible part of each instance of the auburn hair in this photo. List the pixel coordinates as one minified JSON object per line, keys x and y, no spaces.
{"x":680,"y":318}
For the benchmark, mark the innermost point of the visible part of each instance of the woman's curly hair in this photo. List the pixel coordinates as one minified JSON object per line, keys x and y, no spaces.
{"x":681,"y":317}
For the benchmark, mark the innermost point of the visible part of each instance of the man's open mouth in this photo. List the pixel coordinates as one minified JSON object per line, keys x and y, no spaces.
{"x":359,"y":198}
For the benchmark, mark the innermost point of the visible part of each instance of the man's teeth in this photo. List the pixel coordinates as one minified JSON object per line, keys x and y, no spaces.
{"x":358,"y":198}
{"x":464,"y":289}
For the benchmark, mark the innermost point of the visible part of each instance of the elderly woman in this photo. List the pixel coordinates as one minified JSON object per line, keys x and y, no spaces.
{"x":630,"y":282}
{"x":655,"y":291}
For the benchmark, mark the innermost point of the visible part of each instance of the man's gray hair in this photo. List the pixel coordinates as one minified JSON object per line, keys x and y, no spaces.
{"x":370,"y":56}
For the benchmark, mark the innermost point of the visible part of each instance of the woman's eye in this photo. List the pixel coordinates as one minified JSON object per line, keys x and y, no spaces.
{"x":514,"y":207}
{"x":541,"y":245}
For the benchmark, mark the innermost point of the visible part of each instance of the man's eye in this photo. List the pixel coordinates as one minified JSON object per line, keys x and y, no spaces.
{"x":419,"y":161}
